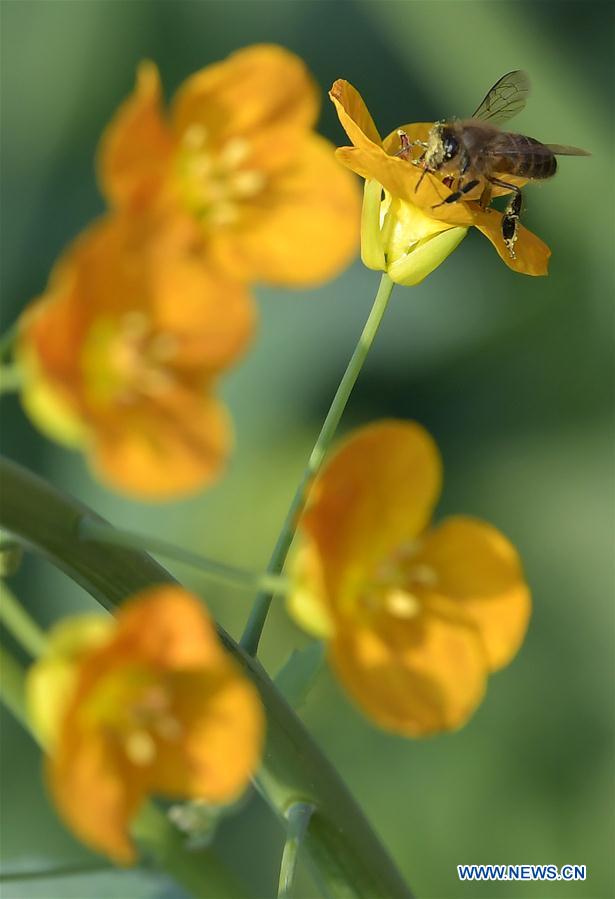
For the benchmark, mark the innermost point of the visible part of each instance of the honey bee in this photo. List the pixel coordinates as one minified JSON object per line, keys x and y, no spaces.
{"x":474,"y":151}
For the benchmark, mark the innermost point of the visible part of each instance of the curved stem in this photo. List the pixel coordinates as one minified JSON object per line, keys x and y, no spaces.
{"x":11,"y":377}
{"x":298,"y":817}
{"x":346,"y":857}
{"x":254,"y":628}
{"x":20,"y":624}
{"x":91,"y":530}
{"x":7,"y":340}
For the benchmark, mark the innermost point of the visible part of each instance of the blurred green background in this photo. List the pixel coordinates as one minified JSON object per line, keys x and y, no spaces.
{"x":512,"y":375}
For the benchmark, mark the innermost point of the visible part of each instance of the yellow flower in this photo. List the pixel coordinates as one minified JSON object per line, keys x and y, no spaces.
{"x":122,"y":352}
{"x":416,"y":616}
{"x":238,"y":156}
{"x":146,"y":704}
{"x":404,"y":234}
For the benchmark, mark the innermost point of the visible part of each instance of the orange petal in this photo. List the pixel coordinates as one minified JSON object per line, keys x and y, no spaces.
{"x":136,"y":148}
{"x":478,"y":568}
{"x":210,"y":317}
{"x":532,"y":254}
{"x":354,"y":114}
{"x":160,"y":451}
{"x":401,"y":179}
{"x":308,"y":230}
{"x":262,"y":94}
{"x":377,"y":491}
{"x":93,"y":789}
{"x":168,"y":627}
{"x":425,"y":676}
{"x":219,"y":738}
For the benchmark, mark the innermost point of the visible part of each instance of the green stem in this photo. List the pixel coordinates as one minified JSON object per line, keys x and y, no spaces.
{"x":254,"y":628}
{"x":346,"y":857}
{"x":202,"y":875}
{"x":57,"y":871}
{"x":16,"y":620}
{"x":298,"y":817}
{"x":91,"y":530}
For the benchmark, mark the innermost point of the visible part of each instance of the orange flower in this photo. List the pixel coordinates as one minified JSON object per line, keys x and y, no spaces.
{"x":417,"y":616}
{"x":238,"y":156}
{"x":416,"y":224}
{"x":146,"y":704}
{"x":122,"y":352}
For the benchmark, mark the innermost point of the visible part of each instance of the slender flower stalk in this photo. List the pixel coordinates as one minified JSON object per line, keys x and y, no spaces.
{"x":254,"y":628}
{"x":298,"y":816}
{"x":90,"y":530}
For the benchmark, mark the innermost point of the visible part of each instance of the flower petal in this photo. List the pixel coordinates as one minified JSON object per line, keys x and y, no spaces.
{"x":478,"y":568}
{"x":377,"y":491}
{"x":404,"y":180}
{"x":307,"y":229}
{"x":219,"y":736}
{"x":421,"y":261}
{"x":262,"y":94}
{"x":532,"y":254}
{"x":94,"y":790}
{"x":163,"y":450}
{"x":424,"y":676}
{"x":137,"y":145}
{"x":353,"y":114}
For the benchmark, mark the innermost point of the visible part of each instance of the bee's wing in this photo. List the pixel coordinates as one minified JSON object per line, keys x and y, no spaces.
{"x":506,"y":98}
{"x":563,"y":150}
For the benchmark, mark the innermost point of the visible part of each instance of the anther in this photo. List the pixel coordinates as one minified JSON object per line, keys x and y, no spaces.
{"x":140,"y":747}
{"x":402,"y":604}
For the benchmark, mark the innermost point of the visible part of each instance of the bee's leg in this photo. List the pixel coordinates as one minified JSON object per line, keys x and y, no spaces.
{"x":406,"y":145}
{"x":512,"y":213}
{"x":459,"y":192}
{"x":485,"y":197}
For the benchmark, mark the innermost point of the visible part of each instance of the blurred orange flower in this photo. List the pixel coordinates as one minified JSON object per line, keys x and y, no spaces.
{"x":238,"y":156}
{"x":418,"y":224}
{"x":417,"y":616}
{"x":122,"y":352}
{"x":146,"y":704}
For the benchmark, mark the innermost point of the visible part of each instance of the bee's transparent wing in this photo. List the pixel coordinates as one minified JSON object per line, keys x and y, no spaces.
{"x":565,"y":150}
{"x":506,"y":98}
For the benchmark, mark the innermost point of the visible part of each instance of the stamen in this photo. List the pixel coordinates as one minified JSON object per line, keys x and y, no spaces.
{"x":224,"y":214}
{"x":424,"y":575}
{"x":234,"y":153}
{"x":163,"y":346}
{"x":195,"y":137}
{"x":168,"y":728}
{"x":134,"y":324}
{"x":140,"y":747}
{"x":402,"y":604}
{"x":247,"y":183}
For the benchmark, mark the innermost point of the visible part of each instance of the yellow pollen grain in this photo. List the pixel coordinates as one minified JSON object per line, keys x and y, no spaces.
{"x":402,"y":604}
{"x":140,"y":748}
{"x":194,"y":137}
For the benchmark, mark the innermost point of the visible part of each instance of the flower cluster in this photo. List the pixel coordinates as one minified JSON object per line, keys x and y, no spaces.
{"x":147,"y":703}
{"x":122,"y":352}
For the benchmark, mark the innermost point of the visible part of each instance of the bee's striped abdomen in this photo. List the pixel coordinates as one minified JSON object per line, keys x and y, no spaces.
{"x":523,"y":156}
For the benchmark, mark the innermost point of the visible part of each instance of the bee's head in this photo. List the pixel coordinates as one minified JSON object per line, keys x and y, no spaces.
{"x":442,"y":146}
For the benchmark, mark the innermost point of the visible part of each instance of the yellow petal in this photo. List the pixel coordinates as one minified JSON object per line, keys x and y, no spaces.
{"x":479,"y":569}
{"x":532,"y":254}
{"x":136,"y":148}
{"x":372,"y":248}
{"x":163,"y":450}
{"x":308,"y":229}
{"x":262,"y":94}
{"x":377,"y":491}
{"x":306,"y":602}
{"x":426,"y":676}
{"x":353,"y":114}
